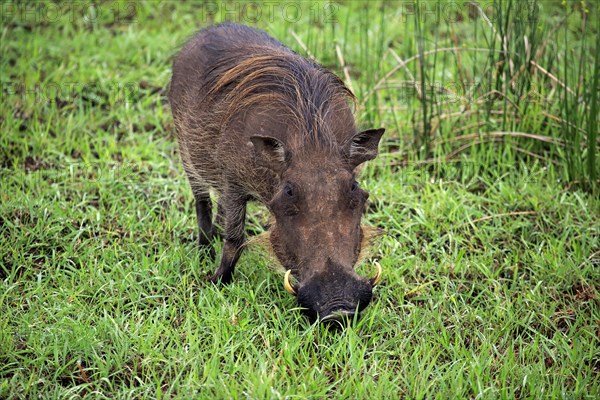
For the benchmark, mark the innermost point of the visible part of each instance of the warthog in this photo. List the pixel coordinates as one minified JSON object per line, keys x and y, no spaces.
{"x":256,"y":121}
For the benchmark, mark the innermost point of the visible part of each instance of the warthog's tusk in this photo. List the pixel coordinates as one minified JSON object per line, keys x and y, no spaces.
{"x":377,"y":278}
{"x":287,"y":284}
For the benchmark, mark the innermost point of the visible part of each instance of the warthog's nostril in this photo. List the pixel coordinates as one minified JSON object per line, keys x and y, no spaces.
{"x":339,"y":316}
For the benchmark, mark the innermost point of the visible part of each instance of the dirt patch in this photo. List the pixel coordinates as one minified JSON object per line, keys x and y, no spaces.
{"x":32,"y":164}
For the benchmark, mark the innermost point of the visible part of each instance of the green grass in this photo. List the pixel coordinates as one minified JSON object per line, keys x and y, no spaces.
{"x":491,"y":257}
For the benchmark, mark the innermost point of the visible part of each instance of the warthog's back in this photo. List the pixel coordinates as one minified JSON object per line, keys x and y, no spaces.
{"x":211,"y":52}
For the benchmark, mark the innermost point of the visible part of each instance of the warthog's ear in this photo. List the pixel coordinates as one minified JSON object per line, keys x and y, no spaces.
{"x":270,"y":153}
{"x":363,"y":146}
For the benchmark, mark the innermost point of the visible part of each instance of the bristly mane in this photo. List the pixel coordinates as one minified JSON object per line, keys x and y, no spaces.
{"x":264,"y":75}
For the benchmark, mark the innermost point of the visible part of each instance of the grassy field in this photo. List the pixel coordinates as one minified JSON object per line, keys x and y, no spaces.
{"x":486,"y":186}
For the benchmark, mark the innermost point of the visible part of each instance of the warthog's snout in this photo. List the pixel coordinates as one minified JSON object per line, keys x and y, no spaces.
{"x":334,"y":295}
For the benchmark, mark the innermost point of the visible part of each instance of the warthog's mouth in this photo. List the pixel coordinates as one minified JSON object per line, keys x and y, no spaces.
{"x":339,"y":316}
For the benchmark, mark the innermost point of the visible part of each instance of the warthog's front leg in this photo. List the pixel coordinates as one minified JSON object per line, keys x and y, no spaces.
{"x":233,"y":210}
{"x":204,"y":216}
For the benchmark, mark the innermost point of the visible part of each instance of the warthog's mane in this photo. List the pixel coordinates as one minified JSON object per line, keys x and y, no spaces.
{"x":309,"y":94}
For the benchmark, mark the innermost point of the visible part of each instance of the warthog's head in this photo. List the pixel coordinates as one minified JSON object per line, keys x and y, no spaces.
{"x":317,"y":234}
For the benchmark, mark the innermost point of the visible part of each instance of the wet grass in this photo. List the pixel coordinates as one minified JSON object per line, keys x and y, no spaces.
{"x":492,"y":241}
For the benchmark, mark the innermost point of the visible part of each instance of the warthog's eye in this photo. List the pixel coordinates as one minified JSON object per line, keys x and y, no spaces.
{"x":357,"y":195}
{"x":286,"y":201}
{"x":288,"y":190}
